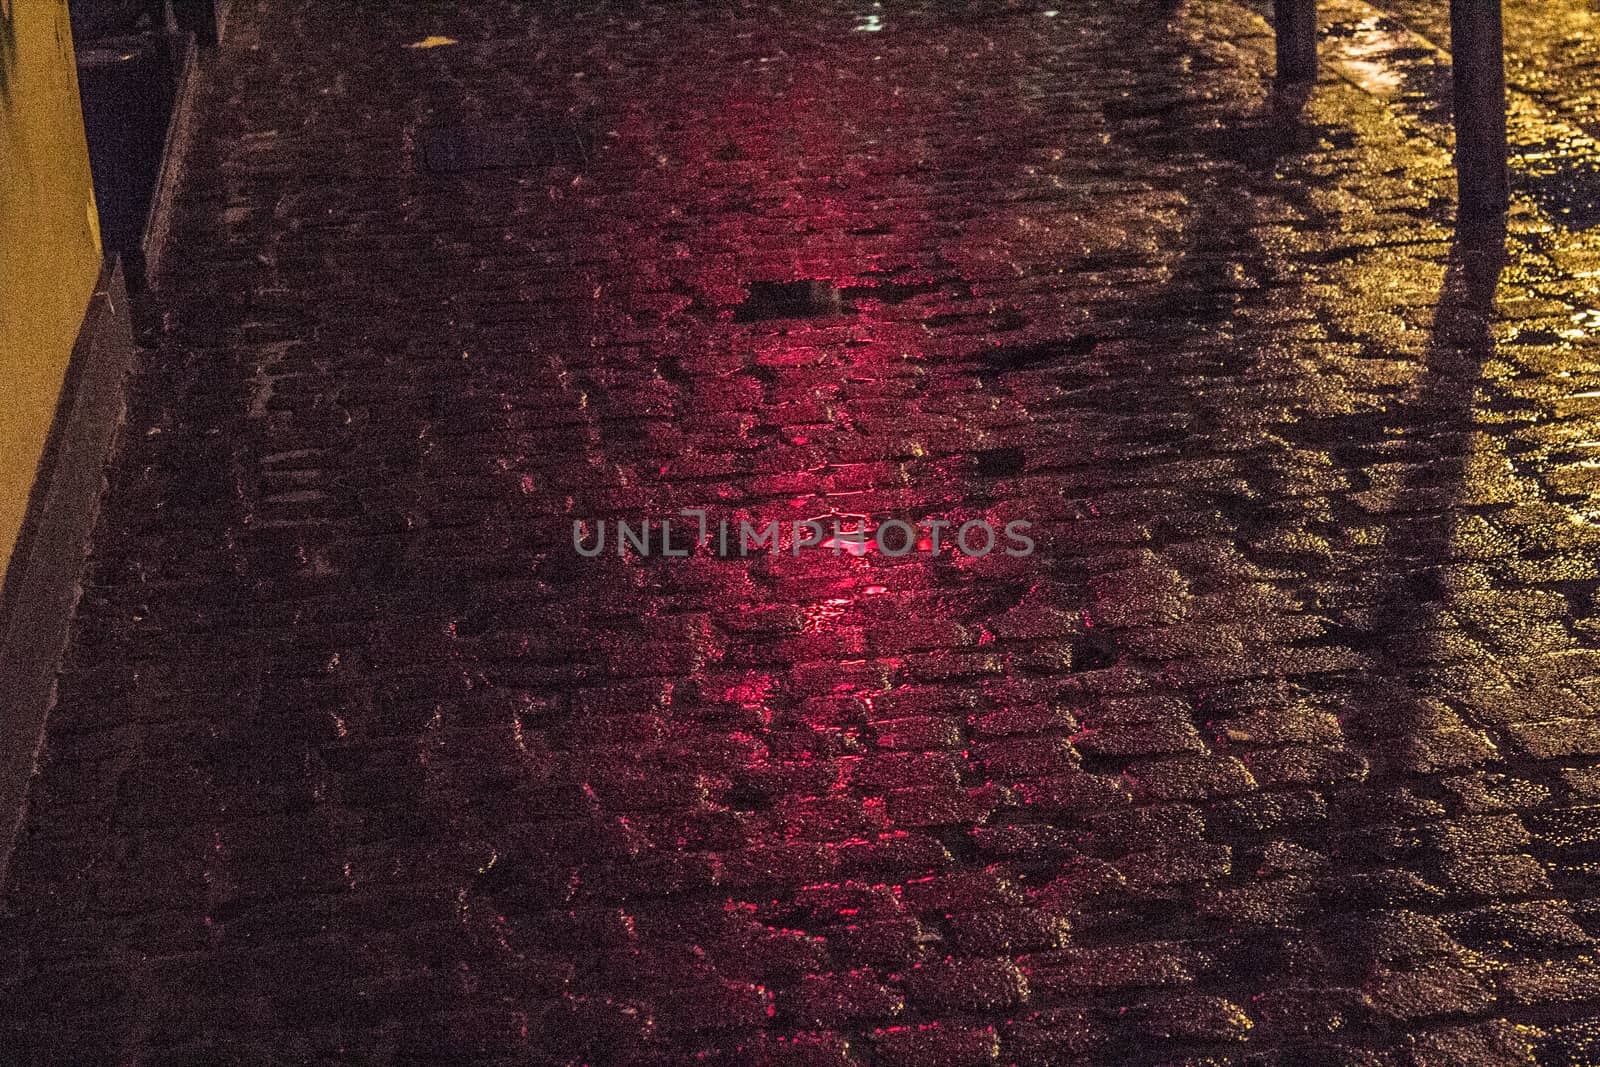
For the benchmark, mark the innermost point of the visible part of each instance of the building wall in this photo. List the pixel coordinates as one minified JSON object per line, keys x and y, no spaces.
{"x":49,"y":238}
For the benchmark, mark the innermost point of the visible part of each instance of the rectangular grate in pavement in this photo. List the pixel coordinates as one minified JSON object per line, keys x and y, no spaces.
{"x":503,"y":146}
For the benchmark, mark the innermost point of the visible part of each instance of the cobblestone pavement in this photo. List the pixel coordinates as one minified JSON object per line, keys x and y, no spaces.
{"x":1280,"y":749}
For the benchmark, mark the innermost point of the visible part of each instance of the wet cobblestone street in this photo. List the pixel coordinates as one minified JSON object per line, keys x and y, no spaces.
{"x":1283,"y":746}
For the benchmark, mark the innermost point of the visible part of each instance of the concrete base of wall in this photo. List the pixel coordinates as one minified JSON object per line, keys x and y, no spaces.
{"x":43,"y":582}
{"x":174,"y":150}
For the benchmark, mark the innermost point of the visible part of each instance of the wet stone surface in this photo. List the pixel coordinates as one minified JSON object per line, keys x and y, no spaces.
{"x":1280,"y":748}
{"x":506,"y":145}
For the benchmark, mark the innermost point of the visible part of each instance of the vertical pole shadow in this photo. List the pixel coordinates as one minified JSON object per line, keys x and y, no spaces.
{"x":1418,"y":545}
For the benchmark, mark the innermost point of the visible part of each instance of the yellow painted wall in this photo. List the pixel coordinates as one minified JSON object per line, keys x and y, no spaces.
{"x":49,"y":238}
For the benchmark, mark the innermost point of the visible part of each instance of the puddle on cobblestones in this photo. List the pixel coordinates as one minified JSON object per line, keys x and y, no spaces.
{"x":1562,"y":175}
